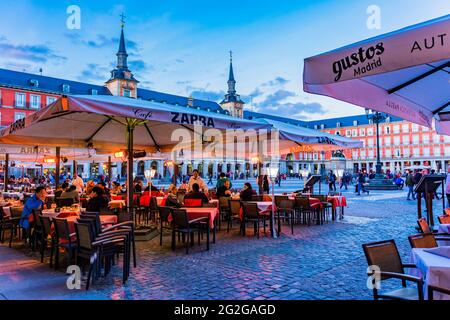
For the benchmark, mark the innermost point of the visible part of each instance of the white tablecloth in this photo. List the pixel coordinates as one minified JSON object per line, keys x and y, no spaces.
{"x":434,"y":269}
{"x":13,"y":195}
{"x":444,"y":228}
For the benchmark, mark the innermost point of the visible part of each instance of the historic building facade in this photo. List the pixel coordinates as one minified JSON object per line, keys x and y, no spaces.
{"x":403,"y":144}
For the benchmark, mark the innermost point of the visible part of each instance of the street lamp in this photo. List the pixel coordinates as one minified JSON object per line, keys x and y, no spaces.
{"x":272,"y":172}
{"x":377,"y":118}
{"x":149,"y":175}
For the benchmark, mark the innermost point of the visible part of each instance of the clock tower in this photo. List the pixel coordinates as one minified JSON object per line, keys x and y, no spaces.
{"x":122,"y":82}
{"x":232,"y":102}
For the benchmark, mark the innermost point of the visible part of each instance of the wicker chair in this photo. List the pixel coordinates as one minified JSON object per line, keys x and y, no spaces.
{"x":385,"y":256}
{"x":423,"y":240}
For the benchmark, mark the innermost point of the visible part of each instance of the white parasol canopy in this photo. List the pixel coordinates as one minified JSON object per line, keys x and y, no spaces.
{"x":405,"y":73}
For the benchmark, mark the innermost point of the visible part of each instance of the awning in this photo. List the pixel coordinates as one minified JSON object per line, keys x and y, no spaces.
{"x":405,"y":73}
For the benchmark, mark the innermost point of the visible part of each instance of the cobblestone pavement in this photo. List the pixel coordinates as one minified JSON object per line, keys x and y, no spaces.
{"x":317,"y":262}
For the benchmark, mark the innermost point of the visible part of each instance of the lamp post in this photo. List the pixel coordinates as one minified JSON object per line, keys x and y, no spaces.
{"x":272,"y":172}
{"x":149,"y":175}
{"x":377,"y":118}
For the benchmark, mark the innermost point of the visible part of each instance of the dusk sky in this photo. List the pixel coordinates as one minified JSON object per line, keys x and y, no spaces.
{"x":181,"y":47}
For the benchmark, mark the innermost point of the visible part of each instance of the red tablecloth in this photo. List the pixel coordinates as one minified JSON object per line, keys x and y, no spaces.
{"x":264,"y":207}
{"x":193,"y":202}
{"x":315,"y":203}
{"x":337,"y":201}
{"x":104,"y":219}
{"x":196,"y":213}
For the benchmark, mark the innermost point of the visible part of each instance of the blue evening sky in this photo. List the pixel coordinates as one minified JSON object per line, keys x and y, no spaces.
{"x":182,"y":47}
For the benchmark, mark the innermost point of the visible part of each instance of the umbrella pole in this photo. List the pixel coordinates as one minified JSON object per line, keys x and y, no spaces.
{"x":6,"y":173}
{"x":57,"y":164}
{"x":109,"y":172}
{"x":130,"y":187}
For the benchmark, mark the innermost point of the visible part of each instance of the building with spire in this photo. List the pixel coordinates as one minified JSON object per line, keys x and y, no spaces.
{"x":232,"y":102}
{"x":122,"y":82}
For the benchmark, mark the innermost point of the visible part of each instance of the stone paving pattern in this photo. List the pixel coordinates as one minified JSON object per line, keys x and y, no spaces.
{"x":317,"y":262}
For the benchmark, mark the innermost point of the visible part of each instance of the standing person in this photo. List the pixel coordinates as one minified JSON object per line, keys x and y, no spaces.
{"x":361,"y":179}
{"x":266,"y":188}
{"x":259,"y":182}
{"x":447,"y":187}
{"x":221,"y":180}
{"x":410,"y":185}
{"x":196,"y":179}
{"x":210,"y":183}
{"x":78,"y":183}
{"x":332,"y":181}
{"x":417,"y":177}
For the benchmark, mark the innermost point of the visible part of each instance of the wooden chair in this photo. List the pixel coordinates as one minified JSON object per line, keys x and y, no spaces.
{"x":433,"y":289}
{"x":64,"y":202}
{"x":46,"y":233}
{"x":257,"y":198}
{"x":183,"y":225}
{"x":327,"y":207}
{"x":224,"y":209}
{"x":164,"y":213}
{"x":64,"y":239}
{"x":6,"y":224}
{"x":235,"y":214}
{"x":37,"y":234}
{"x":385,"y":256}
{"x":305,"y":211}
{"x":425,"y":228}
{"x":278,"y":199}
{"x":286,"y":211}
{"x":251,"y":214}
{"x":423,"y":240}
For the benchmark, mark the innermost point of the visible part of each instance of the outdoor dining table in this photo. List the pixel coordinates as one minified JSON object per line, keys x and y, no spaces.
{"x":72,"y":215}
{"x":17,"y":195}
{"x":116,"y":204}
{"x":444,"y":228}
{"x":337,"y":202}
{"x":434,"y":269}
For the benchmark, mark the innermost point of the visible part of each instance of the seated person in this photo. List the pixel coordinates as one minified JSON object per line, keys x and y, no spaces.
{"x":224,"y":189}
{"x":90,"y":184}
{"x":117,"y":189}
{"x":247,"y":192}
{"x":138,"y":187}
{"x":97,"y":200}
{"x":61,"y":189}
{"x":36,"y":201}
{"x":172,"y":199}
{"x":184,"y":186}
{"x":196,"y":194}
{"x":72,"y":193}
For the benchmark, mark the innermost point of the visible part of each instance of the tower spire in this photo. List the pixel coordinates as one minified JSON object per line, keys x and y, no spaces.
{"x":231,"y":81}
{"x":122,"y":55}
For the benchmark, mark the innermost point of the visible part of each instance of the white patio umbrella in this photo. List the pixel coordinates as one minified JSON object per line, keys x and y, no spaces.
{"x":115,"y":123}
{"x":405,"y":73}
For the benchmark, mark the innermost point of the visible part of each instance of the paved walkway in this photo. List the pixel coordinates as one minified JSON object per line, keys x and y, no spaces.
{"x":317,"y":262}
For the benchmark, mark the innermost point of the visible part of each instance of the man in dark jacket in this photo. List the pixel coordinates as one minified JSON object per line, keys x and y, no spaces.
{"x":410,"y":184}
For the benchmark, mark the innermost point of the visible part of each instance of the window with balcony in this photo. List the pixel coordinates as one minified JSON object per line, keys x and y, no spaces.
{"x":405,"y":128}
{"x":387,"y":141}
{"x":446,"y":139}
{"x":396,"y":141}
{"x":425,"y":129}
{"x":436,"y":138}
{"x":425,"y":139}
{"x":437,"y":152}
{"x":415,"y":128}
{"x":416,"y":152}
{"x":396,"y":129}
{"x":362,"y":132}
{"x":348,"y":133}
{"x":354,"y":133}
{"x":447,"y":151}
{"x":35,"y":101}
{"x":50,"y":100}
{"x":338,"y":125}
{"x":415,"y":139}
{"x":388,"y":153}
{"x":19,"y":115}
{"x":20,"y":100}
{"x":426,"y":152}
{"x":370,"y":131}
{"x":65,"y":88}
{"x":405,"y":140}
{"x":370,"y":142}
{"x":371,"y":154}
{"x":397,"y":152}
{"x":387,"y":130}
{"x":406,"y":152}
{"x":355,"y":123}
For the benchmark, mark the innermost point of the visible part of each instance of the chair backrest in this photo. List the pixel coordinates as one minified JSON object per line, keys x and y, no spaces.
{"x":85,"y":235}
{"x":278,"y":200}
{"x":36,"y":213}
{"x":180,"y":195}
{"x":423,"y":225}
{"x":180,"y":218}
{"x":302,"y":202}
{"x":384,"y":254}
{"x":193,"y":202}
{"x":62,"y":230}
{"x":46,"y":224}
{"x":235,"y":207}
{"x":444,"y":219}
{"x":224,"y":203}
{"x":447,"y":211}
{"x":64,"y":202}
{"x":94,"y":217}
{"x":423,"y":240}
{"x":286,"y":204}
{"x":250,"y":209}
{"x":164,"y":213}
{"x":257,"y":197}
{"x":2,"y":214}
{"x":153,"y":204}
